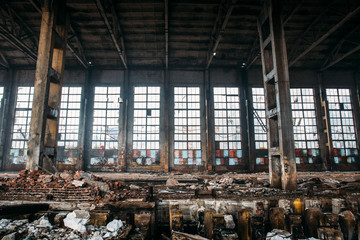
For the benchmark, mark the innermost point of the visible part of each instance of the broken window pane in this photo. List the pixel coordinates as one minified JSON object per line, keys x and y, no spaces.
{"x":227,"y":126}
{"x":342,"y":126}
{"x":105,"y":128}
{"x":187,"y":138}
{"x":21,"y":127}
{"x":69,"y":125}
{"x":304,"y":126}
{"x":260,"y":126}
{"x":146,"y":134}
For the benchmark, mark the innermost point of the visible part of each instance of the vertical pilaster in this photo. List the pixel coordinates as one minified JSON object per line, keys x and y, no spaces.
{"x":42,"y":144}
{"x":123,"y":122}
{"x":204,"y":124}
{"x":5,"y":117}
{"x":89,"y":110}
{"x":210,"y":123}
{"x":243,"y":118}
{"x":326,"y":148}
{"x":250,"y":146}
{"x":321,"y":126}
{"x":282,"y":165}
{"x":165,"y":130}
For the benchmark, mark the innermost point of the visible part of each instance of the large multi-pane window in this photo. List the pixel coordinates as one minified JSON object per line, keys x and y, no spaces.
{"x":69,"y":125}
{"x":342,"y":126}
{"x":21,"y":128}
{"x":146,"y":128}
{"x":227,"y":126}
{"x":304,"y":125}
{"x":260,"y":127}
{"x":105,"y":126}
{"x":187,"y":133}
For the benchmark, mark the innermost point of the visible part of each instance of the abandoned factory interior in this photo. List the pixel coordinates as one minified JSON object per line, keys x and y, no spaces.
{"x":180,"y":119}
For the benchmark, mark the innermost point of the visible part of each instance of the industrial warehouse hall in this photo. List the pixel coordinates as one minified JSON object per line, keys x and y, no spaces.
{"x":182,"y":120}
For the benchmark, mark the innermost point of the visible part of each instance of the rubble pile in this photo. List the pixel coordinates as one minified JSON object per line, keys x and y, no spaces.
{"x":65,"y":186}
{"x":75,"y":228}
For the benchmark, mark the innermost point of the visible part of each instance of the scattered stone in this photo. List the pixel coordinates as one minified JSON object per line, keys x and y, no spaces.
{"x":59,"y":218}
{"x":11,"y":236}
{"x":172,"y":182}
{"x":229,"y":222}
{"x":77,"y":220}
{"x":4,"y":223}
{"x":78,"y":183}
{"x":134,"y":187}
{"x":278,"y":234}
{"x":44,"y":223}
{"x":114,"y":225}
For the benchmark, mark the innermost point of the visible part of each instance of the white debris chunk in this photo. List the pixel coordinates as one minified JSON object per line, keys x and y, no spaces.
{"x":77,"y":220}
{"x":114,"y":225}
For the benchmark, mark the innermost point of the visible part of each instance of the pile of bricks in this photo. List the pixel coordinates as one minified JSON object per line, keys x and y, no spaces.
{"x":35,"y":186}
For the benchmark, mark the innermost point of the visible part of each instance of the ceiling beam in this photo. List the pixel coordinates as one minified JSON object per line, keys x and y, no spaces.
{"x":110,"y":29}
{"x":333,"y":57}
{"x":17,"y":43}
{"x":166,"y":34}
{"x":326,"y":35}
{"x":217,"y":33}
{"x":3,"y":61}
{"x":253,"y":57}
{"x":82,"y":59}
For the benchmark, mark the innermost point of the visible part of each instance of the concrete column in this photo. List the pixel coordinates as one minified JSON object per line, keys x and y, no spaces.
{"x":282,"y":165}
{"x":326,"y":147}
{"x":247,"y":122}
{"x":80,"y":161}
{"x":204,"y":124}
{"x":354,"y":100}
{"x":123,"y":122}
{"x":88,"y":111}
{"x":165,"y":119}
{"x":48,"y":80}
{"x":321,"y":128}
{"x":6,"y":118}
{"x":210,"y":151}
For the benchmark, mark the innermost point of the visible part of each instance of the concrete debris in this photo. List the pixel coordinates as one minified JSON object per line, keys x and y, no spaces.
{"x":44,"y":223}
{"x":77,"y":220}
{"x":78,"y":183}
{"x":229,"y":222}
{"x":4,"y":223}
{"x":172,"y":182}
{"x":134,"y":187}
{"x":278,"y":234}
{"x":114,"y":225}
{"x":11,"y":236}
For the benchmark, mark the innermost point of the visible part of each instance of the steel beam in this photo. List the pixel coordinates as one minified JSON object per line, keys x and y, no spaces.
{"x":17,"y":43}
{"x":282,"y":165}
{"x":333,"y":56}
{"x":326,"y":35}
{"x":217,"y":33}
{"x":120,"y":51}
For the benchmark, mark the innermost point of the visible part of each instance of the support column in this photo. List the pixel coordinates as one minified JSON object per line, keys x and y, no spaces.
{"x":243,"y":118}
{"x":43,"y":136}
{"x":123,"y":122}
{"x":6,"y":117}
{"x":354,"y":93}
{"x":321,"y":125}
{"x":204,"y":125}
{"x":209,"y":123}
{"x":249,"y":120}
{"x":165,"y":130}
{"x":327,"y":147}
{"x":282,"y":165}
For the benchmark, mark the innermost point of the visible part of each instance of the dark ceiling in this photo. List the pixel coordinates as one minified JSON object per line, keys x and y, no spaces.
{"x":108,"y":33}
